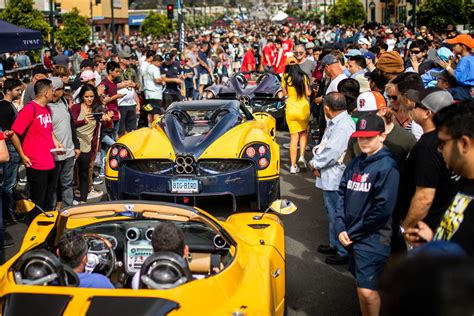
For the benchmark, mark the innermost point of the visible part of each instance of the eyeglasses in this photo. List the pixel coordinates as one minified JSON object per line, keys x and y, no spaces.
{"x":415,"y":51}
{"x":299,"y":53}
{"x":442,"y":142}
{"x":392,"y":97}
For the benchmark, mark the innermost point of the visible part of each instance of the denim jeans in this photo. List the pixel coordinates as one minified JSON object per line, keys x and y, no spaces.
{"x":330,"y":203}
{"x":62,"y":185}
{"x":10,"y":175}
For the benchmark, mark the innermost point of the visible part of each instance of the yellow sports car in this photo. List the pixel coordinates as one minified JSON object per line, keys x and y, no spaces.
{"x":197,"y":151}
{"x":247,"y":249}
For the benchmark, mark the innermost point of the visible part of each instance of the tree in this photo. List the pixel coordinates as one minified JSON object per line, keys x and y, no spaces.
{"x":156,"y":24}
{"x":75,"y":31}
{"x":347,"y":12}
{"x":438,"y":14}
{"x":22,"y":13}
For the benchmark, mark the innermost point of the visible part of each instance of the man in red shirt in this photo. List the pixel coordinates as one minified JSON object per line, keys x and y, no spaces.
{"x":286,"y":44}
{"x":269,"y":55}
{"x":249,"y":63}
{"x":280,"y":58}
{"x":34,"y":124}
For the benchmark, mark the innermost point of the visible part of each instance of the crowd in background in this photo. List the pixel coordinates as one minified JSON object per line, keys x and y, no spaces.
{"x":390,"y":109}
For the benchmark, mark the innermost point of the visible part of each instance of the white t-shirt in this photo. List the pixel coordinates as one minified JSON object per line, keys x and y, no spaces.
{"x":153,"y":90}
{"x":128,"y":97}
{"x":333,"y":85}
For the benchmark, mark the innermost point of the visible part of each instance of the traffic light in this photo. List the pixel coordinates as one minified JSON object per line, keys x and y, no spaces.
{"x":170,"y":10}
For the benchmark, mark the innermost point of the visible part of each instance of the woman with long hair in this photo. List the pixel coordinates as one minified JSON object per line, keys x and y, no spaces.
{"x":87,"y":126}
{"x":295,"y":85}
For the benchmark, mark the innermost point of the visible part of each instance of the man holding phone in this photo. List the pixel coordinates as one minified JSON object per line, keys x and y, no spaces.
{"x":456,"y":144}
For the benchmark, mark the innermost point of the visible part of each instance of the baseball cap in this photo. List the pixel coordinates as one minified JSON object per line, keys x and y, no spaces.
{"x":353,"y":52}
{"x":329,"y":60}
{"x":464,"y":39}
{"x":87,"y":75}
{"x":369,"y":125}
{"x":56,"y":82}
{"x":124,"y":55}
{"x":370,"y":101}
{"x":363,"y":41}
{"x":369,"y":55}
{"x":86,"y":63}
{"x":309,"y":45}
{"x":390,"y":62}
{"x":446,"y":76}
{"x":436,"y":99}
{"x":444,"y":53}
{"x":168,"y":56}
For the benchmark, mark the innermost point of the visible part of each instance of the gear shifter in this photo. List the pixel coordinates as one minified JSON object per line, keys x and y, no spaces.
{"x":92,"y":262}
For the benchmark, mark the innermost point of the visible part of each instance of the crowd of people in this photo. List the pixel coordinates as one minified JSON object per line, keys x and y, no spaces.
{"x":390,"y":110}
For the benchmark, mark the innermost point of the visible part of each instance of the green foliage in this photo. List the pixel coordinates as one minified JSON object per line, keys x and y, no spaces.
{"x":22,"y":13}
{"x":156,"y":24}
{"x":304,"y":15}
{"x":437,"y":14}
{"x":347,"y":12}
{"x":75,"y":31}
{"x":198,"y":20}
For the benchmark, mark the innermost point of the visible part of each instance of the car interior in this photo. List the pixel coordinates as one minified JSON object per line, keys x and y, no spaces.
{"x":120,"y":248}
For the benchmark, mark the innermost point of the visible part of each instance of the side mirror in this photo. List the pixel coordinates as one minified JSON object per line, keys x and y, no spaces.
{"x":283,"y":207}
{"x":24,"y":206}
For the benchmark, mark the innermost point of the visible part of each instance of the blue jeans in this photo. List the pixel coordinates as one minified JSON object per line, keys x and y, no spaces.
{"x":10,"y":175}
{"x":330,"y":203}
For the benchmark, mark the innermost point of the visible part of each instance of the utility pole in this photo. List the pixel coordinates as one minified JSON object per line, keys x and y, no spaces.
{"x":387,"y":14}
{"x":51,"y":22}
{"x":112,"y":24}
{"x":414,"y":14}
{"x":92,"y":24}
{"x":325,"y":21}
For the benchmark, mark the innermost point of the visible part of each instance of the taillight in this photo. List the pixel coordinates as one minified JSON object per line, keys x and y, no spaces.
{"x":263,"y":163}
{"x":259,"y":153}
{"x":113,"y":163}
{"x":117,"y":154}
{"x":250,"y":151}
{"x":123,"y":153}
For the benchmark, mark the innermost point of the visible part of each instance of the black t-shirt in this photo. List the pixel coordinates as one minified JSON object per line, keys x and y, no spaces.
{"x":8,"y":115}
{"x":9,"y":63}
{"x":457,"y":223}
{"x":188,"y":81}
{"x":171,"y":71}
{"x":424,"y":167}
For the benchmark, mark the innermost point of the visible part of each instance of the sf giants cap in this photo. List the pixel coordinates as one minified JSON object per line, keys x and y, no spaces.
{"x":369,"y":125}
{"x":370,"y":101}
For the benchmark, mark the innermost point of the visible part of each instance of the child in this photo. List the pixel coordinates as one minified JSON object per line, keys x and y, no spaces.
{"x":189,"y":80}
{"x":367,"y":198}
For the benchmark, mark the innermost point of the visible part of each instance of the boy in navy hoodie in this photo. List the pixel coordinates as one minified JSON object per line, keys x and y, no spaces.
{"x":367,"y":197}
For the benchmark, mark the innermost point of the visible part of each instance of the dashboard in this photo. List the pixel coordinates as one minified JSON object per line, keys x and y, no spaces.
{"x":131,"y":241}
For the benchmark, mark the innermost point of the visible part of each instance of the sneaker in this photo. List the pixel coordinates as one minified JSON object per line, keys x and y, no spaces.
{"x":302,"y":163}
{"x":75,"y":202}
{"x":294,"y":169}
{"x":98,"y":181}
{"x":327,"y":250}
{"x":101,"y":175}
{"x":94,"y":194}
{"x":337,"y":259}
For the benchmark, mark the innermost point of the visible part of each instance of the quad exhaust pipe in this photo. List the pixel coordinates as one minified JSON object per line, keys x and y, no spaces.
{"x":184,"y":164}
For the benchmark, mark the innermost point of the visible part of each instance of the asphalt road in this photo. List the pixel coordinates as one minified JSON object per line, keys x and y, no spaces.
{"x":312,"y":286}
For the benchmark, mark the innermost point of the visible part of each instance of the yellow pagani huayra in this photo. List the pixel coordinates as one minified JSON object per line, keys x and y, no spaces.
{"x":247,"y":249}
{"x":198,"y":151}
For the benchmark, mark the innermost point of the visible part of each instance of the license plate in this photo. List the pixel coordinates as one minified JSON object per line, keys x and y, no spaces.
{"x":184,"y":186}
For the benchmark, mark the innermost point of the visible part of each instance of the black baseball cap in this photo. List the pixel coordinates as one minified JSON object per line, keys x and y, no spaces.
{"x":369,"y":125}
{"x":86,"y":63}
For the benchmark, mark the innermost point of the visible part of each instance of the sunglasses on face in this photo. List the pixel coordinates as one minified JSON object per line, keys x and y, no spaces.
{"x":392,"y":97}
{"x":415,"y":51}
{"x":299,"y":53}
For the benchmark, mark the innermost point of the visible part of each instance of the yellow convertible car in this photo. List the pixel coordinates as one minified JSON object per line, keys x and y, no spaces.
{"x":196,"y":152}
{"x":247,"y":248}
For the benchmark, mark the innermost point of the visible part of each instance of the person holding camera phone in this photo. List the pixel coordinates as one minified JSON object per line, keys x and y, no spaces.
{"x":87,"y":116}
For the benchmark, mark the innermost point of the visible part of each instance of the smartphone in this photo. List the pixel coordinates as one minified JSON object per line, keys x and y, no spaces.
{"x":98,"y":115}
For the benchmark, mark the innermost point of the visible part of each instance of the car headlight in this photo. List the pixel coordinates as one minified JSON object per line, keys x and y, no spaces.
{"x":208,"y":94}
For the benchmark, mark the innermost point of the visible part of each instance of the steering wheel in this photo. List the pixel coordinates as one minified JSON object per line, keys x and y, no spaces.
{"x":100,"y":256}
{"x":217,"y":114}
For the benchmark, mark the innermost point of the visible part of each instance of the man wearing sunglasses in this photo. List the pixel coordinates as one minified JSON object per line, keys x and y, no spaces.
{"x":429,"y":186}
{"x":456,"y":144}
{"x":417,"y":60}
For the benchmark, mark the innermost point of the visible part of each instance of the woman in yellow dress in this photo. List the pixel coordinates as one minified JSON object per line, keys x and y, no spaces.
{"x":295,"y":85}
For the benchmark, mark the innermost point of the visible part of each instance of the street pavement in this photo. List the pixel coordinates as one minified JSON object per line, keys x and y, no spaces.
{"x":312,"y":286}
